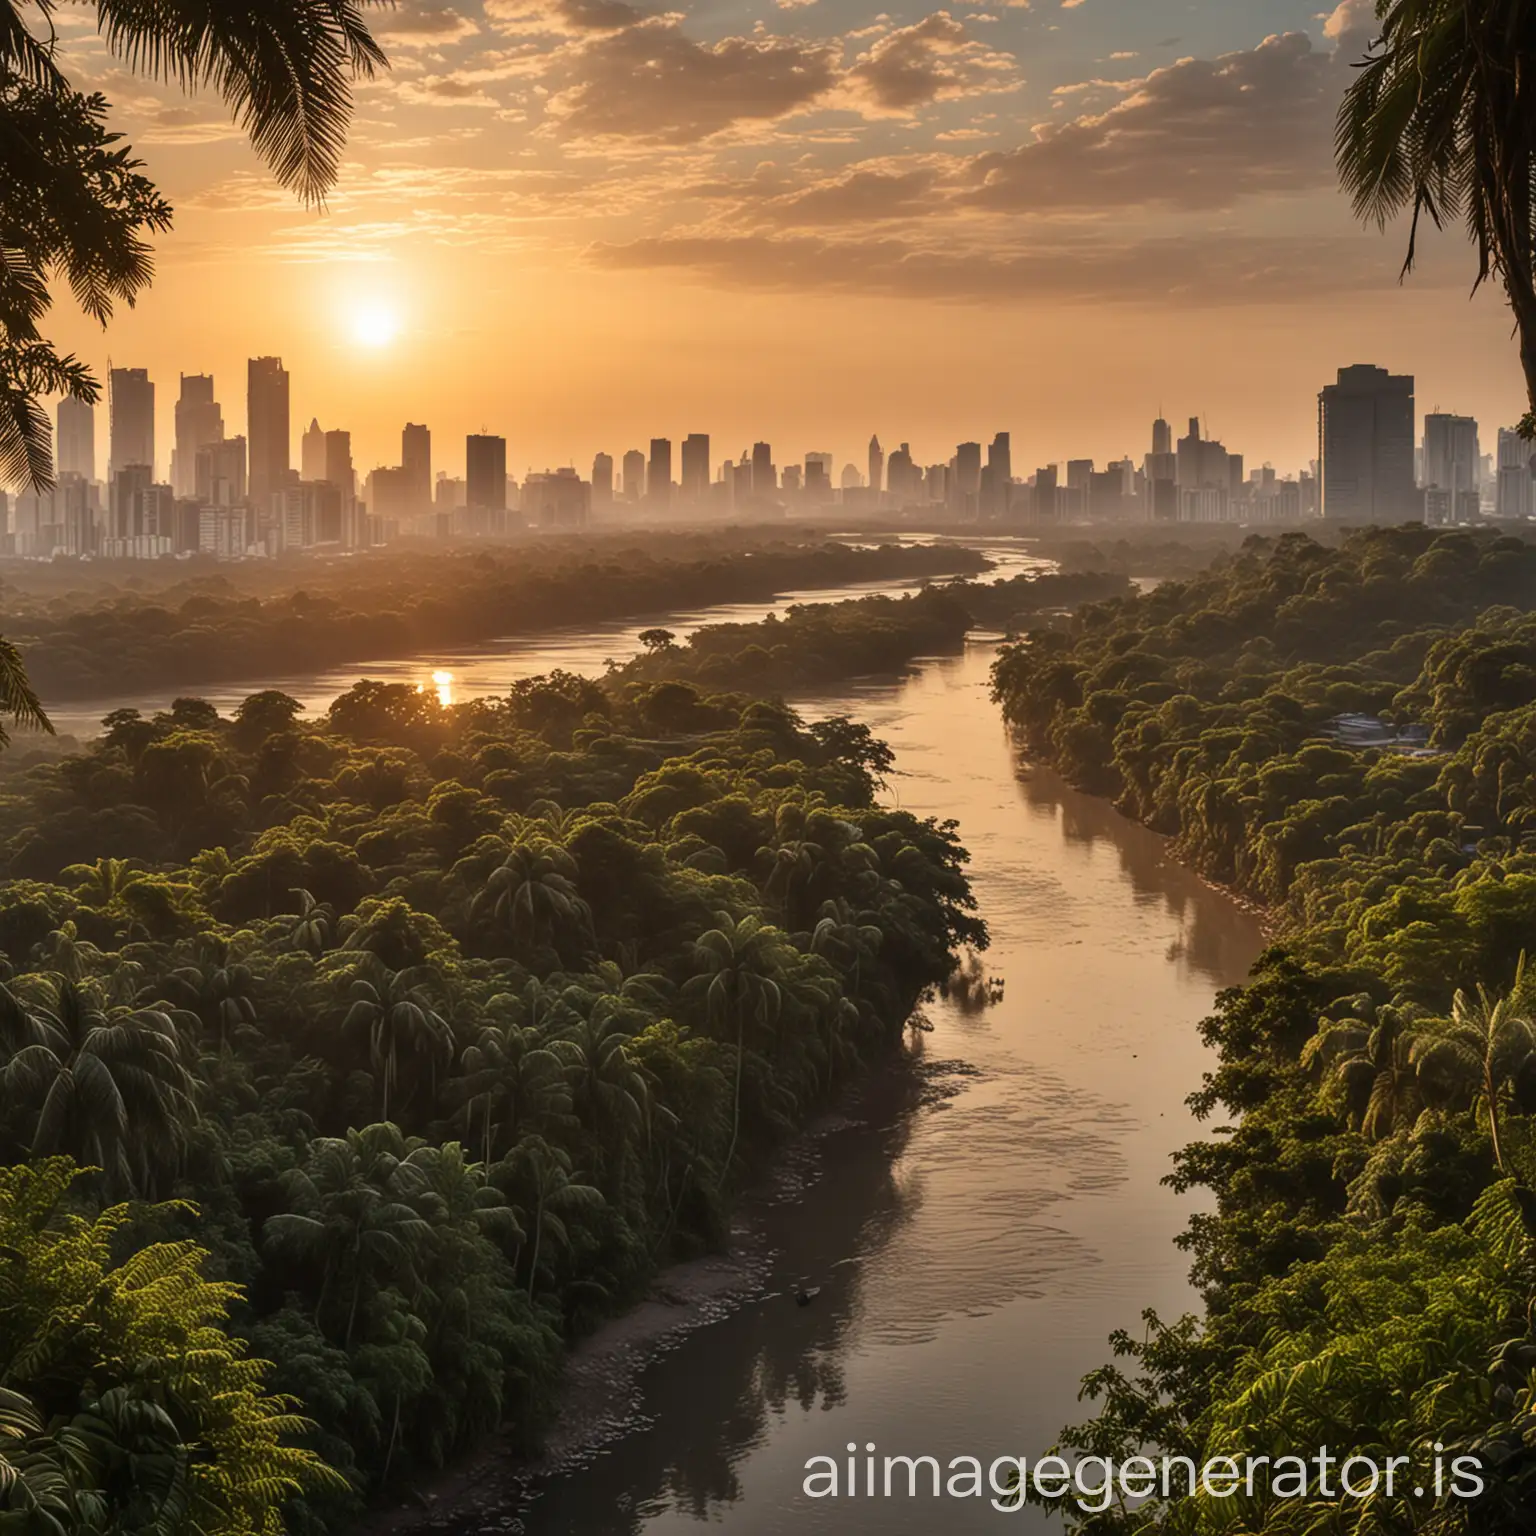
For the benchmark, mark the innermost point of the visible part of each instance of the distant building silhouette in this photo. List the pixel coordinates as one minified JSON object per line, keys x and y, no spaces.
{"x":765,"y":478}
{"x":76,"y":446}
{"x":903,"y":481}
{"x":1046,"y":510}
{"x":1365,"y":446}
{"x":133,"y":421}
{"x":485,"y":473}
{"x":416,"y":461}
{"x":1515,"y":496}
{"x":338,"y":464}
{"x":602,"y":479}
{"x":634,"y":475}
{"x":1162,"y":436}
{"x":876,"y":466}
{"x":997,"y":478}
{"x":658,"y":473}
{"x":818,"y":477}
{"x":312,"y":452}
{"x":1452,"y":458}
{"x":219,"y":474}
{"x":695,"y":466}
{"x":267,"y":427}
{"x":199,"y":422}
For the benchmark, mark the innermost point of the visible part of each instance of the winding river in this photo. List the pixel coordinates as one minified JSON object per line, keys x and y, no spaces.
{"x":993,"y":1211}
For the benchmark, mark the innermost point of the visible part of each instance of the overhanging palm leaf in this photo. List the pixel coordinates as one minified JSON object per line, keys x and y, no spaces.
{"x":1441,"y":122}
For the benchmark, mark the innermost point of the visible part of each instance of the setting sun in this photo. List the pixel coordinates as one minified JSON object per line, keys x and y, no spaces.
{"x":374,"y":325}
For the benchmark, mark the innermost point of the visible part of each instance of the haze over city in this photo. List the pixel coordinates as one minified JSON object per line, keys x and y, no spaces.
{"x":801,"y":223}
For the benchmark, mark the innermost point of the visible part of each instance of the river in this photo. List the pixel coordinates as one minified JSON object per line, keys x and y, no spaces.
{"x":994,"y":1209}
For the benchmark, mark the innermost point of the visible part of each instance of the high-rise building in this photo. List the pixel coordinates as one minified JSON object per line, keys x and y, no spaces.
{"x":997,"y":477}
{"x":1045,"y":494}
{"x":1452,"y":458}
{"x":312,"y":452}
{"x":634,"y":475}
{"x":219,"y":473}
{"x":765,"y":477}
{"x":267,"y":430}
{"x":602,"y":479}
{"x":416,"y":461}
{"x":485,"y":473}
{"x":694,"y":466}
{"x":899,"y":473}
{"x":658,"y":473}
{"x":133,"y":421}
{"x":1516,"y":484}
{"x":965,"y":482}
{"x":77,"y":438}
{"x":818,"y":477}
{"x":338,"y":470}
{"x":1365,"y":444}
{"x":199,"y":421}
{"x":876,"y":466}
{"x":1162,"y":436}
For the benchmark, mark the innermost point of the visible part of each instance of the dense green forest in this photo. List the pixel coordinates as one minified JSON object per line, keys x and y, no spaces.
{"x":85,"y":633}
{"x":1368,"y":1271}
{"x":351,"y":1067}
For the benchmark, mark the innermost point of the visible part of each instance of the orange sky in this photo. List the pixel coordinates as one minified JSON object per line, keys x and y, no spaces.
{"x":590,"y":223}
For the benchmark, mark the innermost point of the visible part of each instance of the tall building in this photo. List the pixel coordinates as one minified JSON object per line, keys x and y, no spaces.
{"x":602,"y":479}
{"x":658,"y":473}
{"x":133,"y":421}
{"x":219,"y":473}
{"x":267,"y":432}
{"x":1516,"y":484}
{"x":1162,"y":436}
{"x":695,"y":466}
{"x":634,"y":475}
{"x":876,"y":466}
{"x":965,"y":483}
{"x":997,"y":477}
{"x":1365,"y":444}
{"x":76,"y":444}
{"x":1452,"y":458}
{"x":765,"y":477}
{"x":312,"y":452}
{"x":416,"y":461}
{"x":485,"y":472}
{"x":899,"y":473}
{"x":337,"y":464}
{"x":818,"y":477}
{"x":199,"y":422}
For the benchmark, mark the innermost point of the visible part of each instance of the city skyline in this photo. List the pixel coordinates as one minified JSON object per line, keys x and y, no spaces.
{"x":835,"y":216}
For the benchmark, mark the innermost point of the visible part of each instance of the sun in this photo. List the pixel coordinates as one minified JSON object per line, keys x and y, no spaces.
{"x":374,"y":325}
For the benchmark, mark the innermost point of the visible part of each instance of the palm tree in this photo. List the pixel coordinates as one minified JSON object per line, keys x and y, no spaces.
{"x":313,"y":925}
{"x":739,"y":966}
{"x":1480,"y":1050}
{"x":1372,"y":1063}
{"x":396,"y":1009}
{"x":1441,"y":120}
{"x":543,"y":1174}
{"x":512,"y":1083}
{"x":108,"y":1086}
{"x":533,"y":894}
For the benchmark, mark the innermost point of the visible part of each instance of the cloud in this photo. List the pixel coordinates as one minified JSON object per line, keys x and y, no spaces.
{"x":651,"y":82}
{"x":424,"y":24}
{"x":566,"y":18}
{"x":1198,"y":134}
{"x":1199,"y":270}
{"x":935,"y":59}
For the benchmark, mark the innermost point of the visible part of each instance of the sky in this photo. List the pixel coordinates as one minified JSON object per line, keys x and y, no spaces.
{"x":581,"y":224}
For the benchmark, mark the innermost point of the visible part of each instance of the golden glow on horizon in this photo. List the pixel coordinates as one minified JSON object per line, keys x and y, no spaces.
{"x":443,"y":682}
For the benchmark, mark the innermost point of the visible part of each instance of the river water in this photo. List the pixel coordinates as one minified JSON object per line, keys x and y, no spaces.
{"x":994,"y":1209}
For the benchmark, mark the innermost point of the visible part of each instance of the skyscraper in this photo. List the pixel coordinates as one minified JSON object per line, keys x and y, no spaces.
{"x":338,"y":470}
{"x":876,"y":466}
{"x":199,"y":422}
{"x":765,"y":478}
{"x":1162,"y":436}
{"x":634,"y":475}
{"x":1451,"y":454}
{"x":695,"y":466}
{"x":267,"y":427}
{"x":1516,"y":489}
{"x":77,"y":438}
{"x":312,"y":452}
{"x":133,"y":421}
{"x":965,"y":483}
{"x":658,"y":473}
{"x":485,"y":473}
{"x":1365,"y":444}
{"x":998,"y":477}
{"x":899,"y":473}
{"x":219,"y":473}
{"x":602,"y":479}
{"x":416,"y":461}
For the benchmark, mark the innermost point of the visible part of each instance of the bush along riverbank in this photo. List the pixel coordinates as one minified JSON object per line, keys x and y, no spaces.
{"x":1348,"y":735}
{"x":401,"y":1047}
